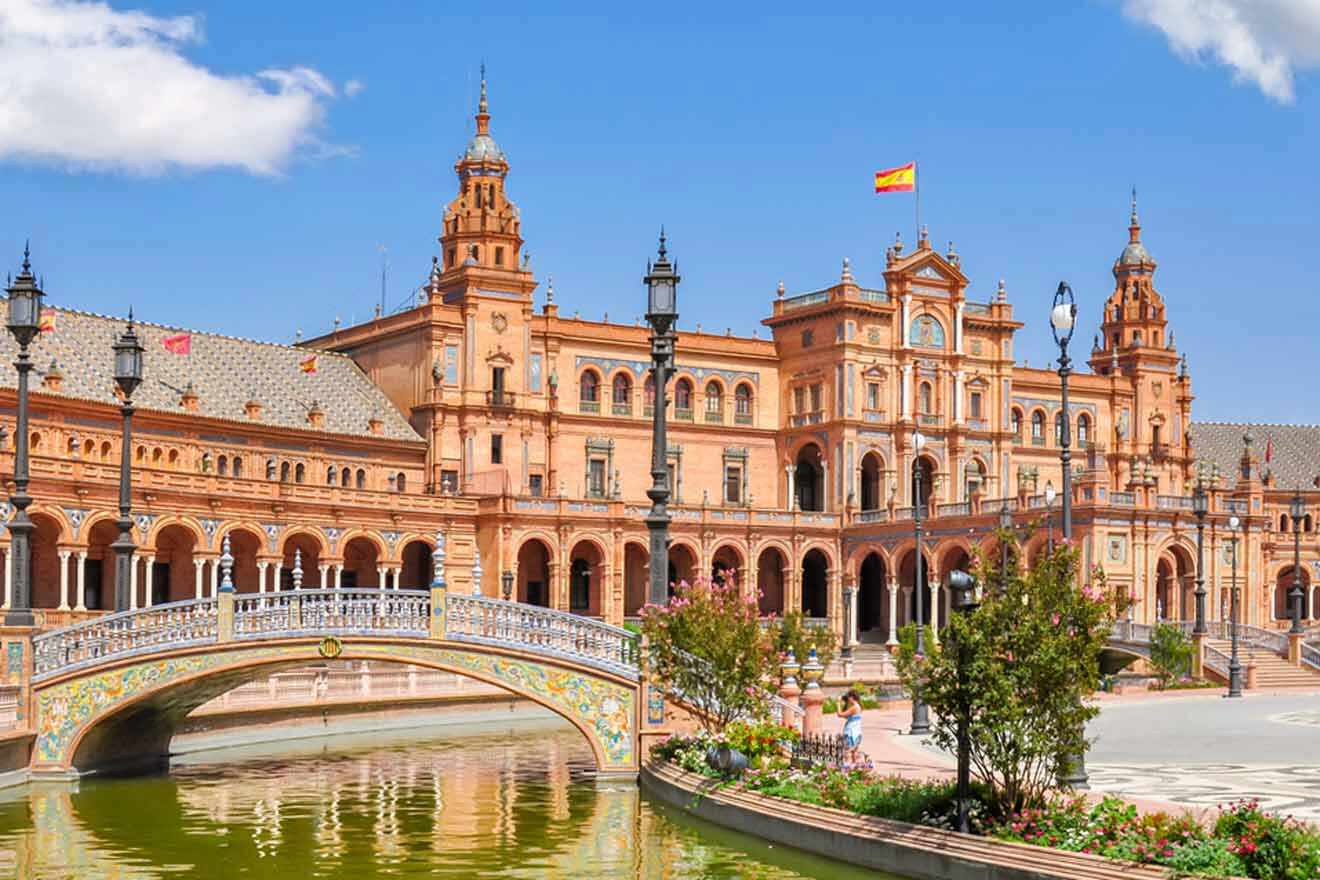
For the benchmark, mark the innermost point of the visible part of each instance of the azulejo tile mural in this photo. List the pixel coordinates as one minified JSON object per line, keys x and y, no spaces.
{"x":606,"y":709}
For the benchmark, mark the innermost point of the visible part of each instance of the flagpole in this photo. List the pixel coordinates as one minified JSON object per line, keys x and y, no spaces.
{"x":916,"y":172}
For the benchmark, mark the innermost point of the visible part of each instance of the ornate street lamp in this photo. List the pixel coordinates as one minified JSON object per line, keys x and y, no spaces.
{"x":1005,"y":528}
{"x":1298,"y":511}
{"x":661,"y":313}
{"x":920,"y":715}
{"x":1200,"y":507}
{"x":128,"y":375}
{"x":506,"y":582}
{"x":962,"y":589}
{"x":1050,"y":495}
{"x":25,"y":298}
{"x":1234,"y":667}
{"x":1063,"y":320}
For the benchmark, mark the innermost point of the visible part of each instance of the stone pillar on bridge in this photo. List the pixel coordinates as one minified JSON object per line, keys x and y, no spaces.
{"x":148,"y":576}
{"x":439,"y":589}
{"x":892,"y":587}
{"x":215,"y":578}
{"x":81,"y":582}
{"x":339,"y":575}
{"x":64,"y":579}
{"x":323,"y":568}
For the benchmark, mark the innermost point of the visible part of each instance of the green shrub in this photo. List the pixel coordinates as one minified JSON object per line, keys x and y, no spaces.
{"x":1271,"y":847}
{"x":1170,"y":653}
{"x":788,"y":632}
{"x":1212,"y":857}
{"x":759,"y":740}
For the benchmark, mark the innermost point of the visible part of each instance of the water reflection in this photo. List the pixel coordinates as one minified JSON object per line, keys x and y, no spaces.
{"x":495,"y":802}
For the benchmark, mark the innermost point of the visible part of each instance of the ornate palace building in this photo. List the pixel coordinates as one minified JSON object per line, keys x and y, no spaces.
{"x":525,"y":436}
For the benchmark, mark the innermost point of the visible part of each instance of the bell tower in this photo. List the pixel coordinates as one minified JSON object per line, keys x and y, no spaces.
{"x":481,"y":226}
{"x":1134,"y":329}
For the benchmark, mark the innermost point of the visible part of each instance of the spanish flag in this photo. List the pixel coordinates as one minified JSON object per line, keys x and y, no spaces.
{"x":308,"y":364}
{"x":900,"y":179}
{"x":179,"y":343}
{"x":46,"y":321}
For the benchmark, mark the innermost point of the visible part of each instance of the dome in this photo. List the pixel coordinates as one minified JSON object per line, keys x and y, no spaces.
{"x":1133,"y":254}
{"x":482,"y":148}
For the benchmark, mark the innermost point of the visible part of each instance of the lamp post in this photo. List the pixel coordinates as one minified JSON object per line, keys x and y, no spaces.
{"x":920,"y":715}
{"x":128,"y":375}
{"x":661,"y":313}
{"x":506,"y":584}
{"x":1005,"y":527}
{"x":1200,"y":507}
{"x":1295,"y":594}
{"x":24,"y":323}
{"x":963,"y":587}
{"x":1050,"y":494}
{"x":1063,"y":318}
{"x":1234,"y":667}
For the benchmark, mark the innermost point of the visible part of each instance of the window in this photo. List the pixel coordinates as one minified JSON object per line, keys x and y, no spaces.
{"x":873,"y":395}
{"x":222,"y":466}
{"x":499,"y":256}
{"x":579,"y":593}
{"x":1038,"y":428}
{"x":238,"y":466}
{"x":925,"y":403}
{"x":401,"y":482}
{"x":733,"y":484}
{"x":648,"y":394}
{"x":448,"y":481}
{"x":976,"y":405}
{"x":808,"y":337}
{"x":1083,"y":429}
{"x":742,"y":404}
{"x":536,"y":372}
{"x":589,"y":392}
{"x":535,"y":485}
{"x":300,"y":473}
{"x":1154,"y":436}
{"x":346,"y":478}
{"x":683,"y":399}
{"x":497,"y":449}
{"x":815,"y":397}
{"x":596,"y":478}
{"x":361,"y":479}
{"x":799,"y":399}
{"x":449,"y":261}
{"x":451,"y":364}
{"x":714,"y":402}
{"x":497,"y":384}
{"x":1017,"y":423}
{"x":621,"y":394}
{"x":331,"y":476}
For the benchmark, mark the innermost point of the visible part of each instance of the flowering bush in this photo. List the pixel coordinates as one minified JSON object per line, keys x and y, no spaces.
{"x":708,"y":646}
{"x":762,"y":741}
{"x":1271,"y":847}
{"x":790,"y":634}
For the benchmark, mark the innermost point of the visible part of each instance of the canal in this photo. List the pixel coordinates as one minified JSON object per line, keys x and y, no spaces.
{"x":511,"y":799}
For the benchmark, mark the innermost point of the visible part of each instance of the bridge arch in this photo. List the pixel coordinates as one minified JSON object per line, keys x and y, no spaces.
{"x":99,"y":717}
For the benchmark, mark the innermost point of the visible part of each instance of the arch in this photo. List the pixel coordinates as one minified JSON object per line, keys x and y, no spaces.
{"x":1283,"y":586}
{"x":173,"y":576}
{"x":922,"y":482}
{"x":309,"y":550}
{"x":743,"y":399}
{"x":872,"y":599}
{"x":1083,"y":430}
{"x":589,"y":387}
{"x":621,"y":387}
{"x":362,"y":557}
{"x":99,"y":573}
{"x":683,"y":397}
{"x":1175,"y":581}
{"x":1015,"y":423}
{"x":770,"y":571}
{"x":1038,"y":427}
{"x":636,"y":577}
{"x":173,"y":458}
{"x":682,"y":563}
{"x":727,"y":564}
{"x":815,"y":584}
{"x":135,"y":723}
{"x":284,"y":472}
{"x":974,"y":477}
{"x":1058,"y":428}
{"x":534,"y":555}
{"x":1166,"y":590}
{"x":43,"y":559}
{"x":809,"y":478}
{"x":586,"y":573}
{"x":346,"y":478}
{"x":907,"y":571}
{"x":648,"y":391}
{"x":222,"y":466}
{"x":417,"y":563}
{"x":872,"y":480}
{"x":925,"y":398}
{"x":331,"y":475}
{"x":360,"y":480}
{"x":300,"y":473}
{"x":106,"y":450}
{"x":956,"y":556}
{"x":187,"y":522}
{"x":714,"y":392}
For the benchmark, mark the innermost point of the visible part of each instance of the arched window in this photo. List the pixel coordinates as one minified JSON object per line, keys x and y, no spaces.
{"x":1306,"y":523}
{"x":590,"y":387}
{"x":622,"y":388}
{"x":361,"y":479}
{"x":270,"y":468}
{"x":237,"y":466}
{"x":925,"y":398}
{"x":141,"y":454}
{"x":206,"y":462}
{"x":157,"y":454}
{"x":105,"y":451}
{"x":648,"y":392}
{"x":742,"y":403}
{"x":401,"y":482}
{"x":331,"y":476}
{"x":683,"y":398}
{"x":346,"y":478}
{"x":1016,"y":417}
{"x":1038,"y":428}
{"x":1083,"y":429}
{"x":34,"y":443}
{"x":974,"y":474}
{"x":1058,"y":428}
{"x":284,"y":472}
{"x":222,"y":466}
{"x":173,"y":457}
{"x":300,"y":473}
{"x":1283,"y":522}
{"x":714,"y":399}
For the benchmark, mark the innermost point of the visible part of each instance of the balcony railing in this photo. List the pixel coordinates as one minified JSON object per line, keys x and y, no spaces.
{"x":1173,"y":502}
{"x":682,"y":415}
{"x":621,"y":409}
{"x":715,"y":417}
{"x":589,"y":406}
{"x":500,"y":399}
{"x":1037,"y":441}
{"x":806,"y":299}
{"x":930,"y":420}
{"x":1125,"y":498}
{"x":742,"y":418}
{"x":1235,"y":505}
{"x":873,"y":516}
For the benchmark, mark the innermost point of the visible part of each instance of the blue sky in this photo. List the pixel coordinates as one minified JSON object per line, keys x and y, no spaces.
{"x":751,"y":137}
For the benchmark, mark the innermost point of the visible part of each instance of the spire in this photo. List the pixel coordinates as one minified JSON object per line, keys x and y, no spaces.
{"x":483,"y":108}
{"x":27,"y":253}
{"x":662,"y":241}
{"x":1134,"y":223}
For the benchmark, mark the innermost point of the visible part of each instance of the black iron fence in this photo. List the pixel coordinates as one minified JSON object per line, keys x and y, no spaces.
{"x":820,"y":748}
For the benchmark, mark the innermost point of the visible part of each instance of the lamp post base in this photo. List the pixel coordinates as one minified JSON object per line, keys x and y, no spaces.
{"x":1074,"y":773}
{"x":920,"y":719}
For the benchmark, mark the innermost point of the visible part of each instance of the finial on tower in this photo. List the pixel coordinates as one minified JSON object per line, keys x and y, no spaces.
{"x":27,"y":253}
{"x":481,"y":103}
{"x":1134,"y":220}
{"x":1001,"y":295}
{"x":662,"y":241}
{"x":847,"y":276}
{"x":550,"y":290}
{"x":779,"y":291}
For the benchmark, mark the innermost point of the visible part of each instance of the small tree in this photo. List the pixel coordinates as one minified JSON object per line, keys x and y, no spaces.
{"x":789,"y":633}
{"x":708,"y":646}
{"x":1170,"y":653}
{"x":1031,"y":652}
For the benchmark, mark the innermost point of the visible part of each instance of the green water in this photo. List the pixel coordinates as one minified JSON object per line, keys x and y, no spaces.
{"x":493,"y":801}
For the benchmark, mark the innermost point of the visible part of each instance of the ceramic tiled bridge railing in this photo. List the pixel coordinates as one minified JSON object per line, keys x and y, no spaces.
{"x":401,"y":614}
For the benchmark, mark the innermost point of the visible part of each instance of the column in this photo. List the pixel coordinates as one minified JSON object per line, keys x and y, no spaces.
{"x":261,"y":576}
{"x":81,"y":604}
{"x":903,"y":331}
{"x":907,"y":390}
{"x":148,"y":566}
{"x":380,"y":577}
{"x":958,"y":395}
{"x":792,"y":495}
{"x":215,"y":578}
{"x":933,"y":612}
{"x":64,"y":580}
{"x":325,"y":584}
{"x":958,"y":327}
{"x":397,"y":573}
{"x":132,"y":584}
{"x":824,"y":483}
{"x":339,"y":575}
{"x":9,"y":581}
{"x":198,"y":580}
{"x":893,"y":611}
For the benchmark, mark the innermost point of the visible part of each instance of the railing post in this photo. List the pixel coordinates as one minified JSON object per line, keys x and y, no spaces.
{"x":439,"y":593}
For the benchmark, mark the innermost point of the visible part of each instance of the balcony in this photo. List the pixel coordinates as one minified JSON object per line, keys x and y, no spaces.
{"x":714,"y":417}
{"x":621,"y":409}
{"x":500,"y":399}
{"x":682,"y":415}
{"x":589,"y":406}
{"x":742,"y":418}
{"x":1037,"y":441}
{"x":930,"y":420}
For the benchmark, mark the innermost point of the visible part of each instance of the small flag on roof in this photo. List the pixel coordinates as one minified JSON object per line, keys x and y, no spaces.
{"x":308,"y":364}
{"x":179,"y":343}
{"x":46,"y":323}
{"x":900,"y":179}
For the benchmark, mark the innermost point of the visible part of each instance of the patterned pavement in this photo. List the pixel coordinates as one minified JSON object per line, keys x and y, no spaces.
{"x":1288,"y":789}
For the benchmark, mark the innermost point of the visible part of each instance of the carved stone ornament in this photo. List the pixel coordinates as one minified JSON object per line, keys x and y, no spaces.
{"x":499,"y":321}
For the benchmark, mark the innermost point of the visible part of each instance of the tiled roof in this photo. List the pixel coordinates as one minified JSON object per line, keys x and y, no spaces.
{"x":1294,"y":459}
{"x":225,"y":372}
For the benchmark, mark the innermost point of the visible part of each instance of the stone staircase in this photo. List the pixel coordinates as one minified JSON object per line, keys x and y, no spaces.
{"x":871,"y":663}
{"x":1272,"y":671}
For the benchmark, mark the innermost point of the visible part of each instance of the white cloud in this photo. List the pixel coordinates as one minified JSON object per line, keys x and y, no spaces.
{"x":88,"y":86}
{"x":353,"y":87}
{"x":1263,"y":41}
